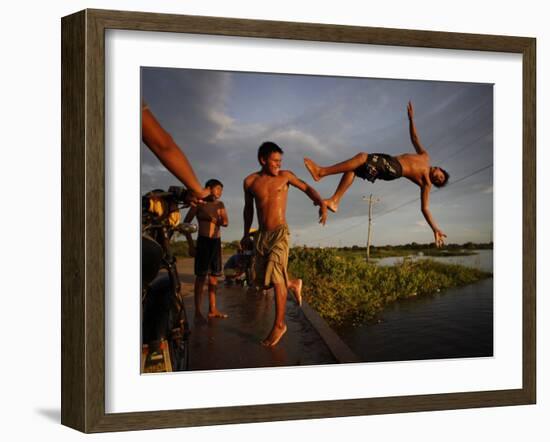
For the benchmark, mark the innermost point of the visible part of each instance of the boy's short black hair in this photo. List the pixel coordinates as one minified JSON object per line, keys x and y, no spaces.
{"x":267,"y":148}
{"x":446,"y":180}
{"x":213,"y":183}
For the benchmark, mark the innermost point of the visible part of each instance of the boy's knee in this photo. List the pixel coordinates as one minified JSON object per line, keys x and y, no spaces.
{"x":362,"y":156}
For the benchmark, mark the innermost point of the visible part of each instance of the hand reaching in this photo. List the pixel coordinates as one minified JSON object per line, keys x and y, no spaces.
{"x":191,"y":198}
{"x":439,"y":235}
{"x":410,"y":111}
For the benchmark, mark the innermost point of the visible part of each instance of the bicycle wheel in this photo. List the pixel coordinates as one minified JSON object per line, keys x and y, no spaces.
{"x":180,"y":354}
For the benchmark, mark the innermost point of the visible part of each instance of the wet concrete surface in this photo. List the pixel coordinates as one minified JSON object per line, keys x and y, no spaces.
{"x":234,"y":342}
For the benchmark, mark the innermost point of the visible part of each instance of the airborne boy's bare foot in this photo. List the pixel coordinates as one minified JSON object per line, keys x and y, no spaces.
{"x":296,"y":287}
{"x":275,"y":336}
{"x":332,"y":204}
{"x":313,"y":168}
{"x":216,"y":314}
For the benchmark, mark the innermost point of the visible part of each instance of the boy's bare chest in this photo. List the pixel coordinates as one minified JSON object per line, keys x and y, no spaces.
{"x":269,"y":187}
{"x":207,"y":211}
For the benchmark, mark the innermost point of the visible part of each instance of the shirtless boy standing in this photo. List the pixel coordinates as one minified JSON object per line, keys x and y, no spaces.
{"x":268,"y":189}
{"x":208,"y":253}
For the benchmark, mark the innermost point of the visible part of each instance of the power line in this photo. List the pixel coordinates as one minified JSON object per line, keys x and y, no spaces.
{"x":468,"y":176}
{"x":469,"y":145}
{"x":468,"y":115}
{"x":449,"y":185}
{"x":462,"y":149}
{"x":393,"y":209}
{"x":371,"y":202}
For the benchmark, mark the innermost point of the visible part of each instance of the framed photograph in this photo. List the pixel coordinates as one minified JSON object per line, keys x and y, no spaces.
{"x":320,"y":220}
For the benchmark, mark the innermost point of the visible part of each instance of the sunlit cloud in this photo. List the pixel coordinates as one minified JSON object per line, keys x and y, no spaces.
{"x":298,"y":141}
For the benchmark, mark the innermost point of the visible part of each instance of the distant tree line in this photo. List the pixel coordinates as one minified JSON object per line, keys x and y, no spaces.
{"x":421,"y":246}
{"x":179,"y":247}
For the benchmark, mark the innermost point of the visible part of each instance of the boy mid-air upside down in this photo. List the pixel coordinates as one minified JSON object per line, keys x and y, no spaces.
{"x":372,"y":166}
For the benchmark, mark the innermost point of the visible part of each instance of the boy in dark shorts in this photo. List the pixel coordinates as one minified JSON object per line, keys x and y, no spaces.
{"x":416,"y":167}
{"x":208,"y":252}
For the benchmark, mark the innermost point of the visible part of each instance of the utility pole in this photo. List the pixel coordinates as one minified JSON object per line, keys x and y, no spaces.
{"x":371,"y":201}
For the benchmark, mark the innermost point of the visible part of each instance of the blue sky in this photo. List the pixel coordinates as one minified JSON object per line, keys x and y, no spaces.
{"x":220,"y":118}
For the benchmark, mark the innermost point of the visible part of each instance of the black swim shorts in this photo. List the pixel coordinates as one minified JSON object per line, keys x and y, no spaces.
{"x":380,"y":166}
{"x":208,"y":259}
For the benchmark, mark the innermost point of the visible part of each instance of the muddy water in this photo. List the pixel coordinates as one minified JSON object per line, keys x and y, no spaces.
{"x":455,"y":323}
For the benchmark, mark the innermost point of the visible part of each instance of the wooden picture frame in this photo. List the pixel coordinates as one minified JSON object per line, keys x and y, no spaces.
{"x":83,"y":220}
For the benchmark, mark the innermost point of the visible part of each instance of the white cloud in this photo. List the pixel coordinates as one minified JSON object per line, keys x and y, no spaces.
{"x":223,"y":122}
{"x":294,"y":139}
{"x":152,"y":170}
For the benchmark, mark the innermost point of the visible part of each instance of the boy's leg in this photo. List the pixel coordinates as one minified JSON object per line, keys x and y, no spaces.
{"x":279,"y":326}
{"x":199,"y":285}
{"x":213,"y":312}
{"x":318,"y":172}
{"x":215,"y":268}
{"x":295,"y":286}
{"x":201,"y":269}
{"x":334,"y":201}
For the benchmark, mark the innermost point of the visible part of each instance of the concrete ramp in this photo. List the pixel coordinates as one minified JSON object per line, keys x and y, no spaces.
{"x":235,"y":342}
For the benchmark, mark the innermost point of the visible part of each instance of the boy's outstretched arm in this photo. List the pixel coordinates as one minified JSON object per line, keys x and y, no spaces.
{"x":425,"y":207}
{"x":167,"y":151}
{"x":412,"y":131}
{"x":312,"y":193}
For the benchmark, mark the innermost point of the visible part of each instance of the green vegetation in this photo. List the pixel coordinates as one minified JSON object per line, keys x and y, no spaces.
{"x":180,"y":249}
{"x":347,"y":289}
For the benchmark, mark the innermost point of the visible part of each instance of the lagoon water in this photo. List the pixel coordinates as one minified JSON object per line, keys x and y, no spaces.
{"x":455,"y":323}
{"x":483,"y":260}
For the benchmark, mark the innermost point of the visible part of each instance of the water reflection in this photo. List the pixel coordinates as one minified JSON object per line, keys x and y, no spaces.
{"x":482,"y":259}
{"x":455,"y":323}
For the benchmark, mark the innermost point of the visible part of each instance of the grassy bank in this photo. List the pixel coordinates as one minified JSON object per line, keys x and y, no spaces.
{"x":348,"y":290}
{"x":181,"y":249}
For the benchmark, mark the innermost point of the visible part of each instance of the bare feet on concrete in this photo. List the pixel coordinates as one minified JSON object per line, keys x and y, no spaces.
{"x":275,"y":336}
{"x":216,"y":314}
